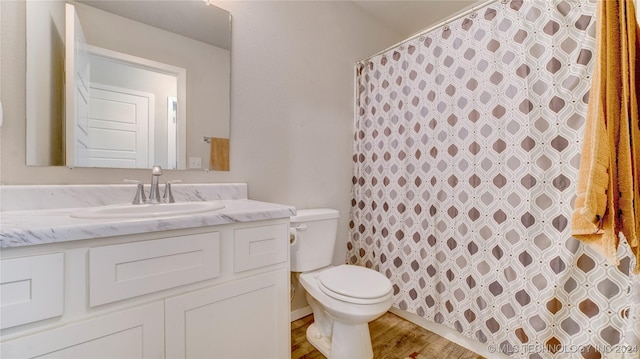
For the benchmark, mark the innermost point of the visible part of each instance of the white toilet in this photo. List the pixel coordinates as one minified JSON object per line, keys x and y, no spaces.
{"x":344,"y":298}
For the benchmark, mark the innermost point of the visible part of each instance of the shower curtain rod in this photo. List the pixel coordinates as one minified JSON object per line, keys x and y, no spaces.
{"x":464,"y":13}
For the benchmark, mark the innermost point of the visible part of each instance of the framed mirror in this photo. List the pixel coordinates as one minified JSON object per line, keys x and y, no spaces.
{"x":128,"y":84}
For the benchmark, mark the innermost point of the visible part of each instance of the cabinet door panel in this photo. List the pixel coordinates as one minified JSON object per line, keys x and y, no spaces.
{"x":131,"y":333}
{"x":247,"y":318}
{"x":125,"y":344}
{"x":31,"y":289}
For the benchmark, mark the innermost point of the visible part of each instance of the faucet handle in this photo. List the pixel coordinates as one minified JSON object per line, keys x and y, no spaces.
{"x":168,"y":195}
{"x":140,"y":197}
{"x":156,"y":170}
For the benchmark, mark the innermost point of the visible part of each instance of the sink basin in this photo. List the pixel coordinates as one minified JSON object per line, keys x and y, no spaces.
{"x":147,"y":210}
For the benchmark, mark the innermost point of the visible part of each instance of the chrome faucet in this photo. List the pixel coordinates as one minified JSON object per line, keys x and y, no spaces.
{"x":154,"y":192}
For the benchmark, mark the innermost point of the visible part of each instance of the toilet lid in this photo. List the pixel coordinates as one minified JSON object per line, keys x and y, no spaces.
{"x":355,"y":282}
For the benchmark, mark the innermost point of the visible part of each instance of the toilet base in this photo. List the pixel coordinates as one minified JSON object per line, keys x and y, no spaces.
{"x":348,"y":341}
{"x":322,"y":343}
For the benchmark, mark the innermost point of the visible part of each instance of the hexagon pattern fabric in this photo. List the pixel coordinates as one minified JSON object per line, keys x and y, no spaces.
{"x":466,"y":152}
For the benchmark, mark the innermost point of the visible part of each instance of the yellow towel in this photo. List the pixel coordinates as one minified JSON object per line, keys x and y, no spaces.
{"x":608,"y":191}
{"x":219,"y":154}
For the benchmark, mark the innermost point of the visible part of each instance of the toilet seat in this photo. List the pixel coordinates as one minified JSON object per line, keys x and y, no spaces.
{"x":354,"y":284}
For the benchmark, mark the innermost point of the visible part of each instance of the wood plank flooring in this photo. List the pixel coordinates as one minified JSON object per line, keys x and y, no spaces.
{"x":392,"y":338}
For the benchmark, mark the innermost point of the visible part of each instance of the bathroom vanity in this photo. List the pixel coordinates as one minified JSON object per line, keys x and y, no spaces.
{"x":213,"y":284}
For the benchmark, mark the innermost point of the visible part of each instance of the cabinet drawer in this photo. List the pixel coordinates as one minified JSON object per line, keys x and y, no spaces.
{"x":260,"y":246}
{"x":123,"y":271}
{"x":31,"y":289}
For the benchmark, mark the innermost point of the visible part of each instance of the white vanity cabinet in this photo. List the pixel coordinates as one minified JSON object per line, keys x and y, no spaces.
{"x":210,"y":292}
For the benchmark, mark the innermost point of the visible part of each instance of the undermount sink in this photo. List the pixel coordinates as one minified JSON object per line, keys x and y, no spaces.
{"x":147,"y":210}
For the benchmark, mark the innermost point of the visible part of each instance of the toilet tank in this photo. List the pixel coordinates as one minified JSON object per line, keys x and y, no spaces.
{"x":315,"y":230}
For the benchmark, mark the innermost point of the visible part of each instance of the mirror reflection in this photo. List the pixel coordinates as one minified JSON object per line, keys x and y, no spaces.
{"x":144,"y":82}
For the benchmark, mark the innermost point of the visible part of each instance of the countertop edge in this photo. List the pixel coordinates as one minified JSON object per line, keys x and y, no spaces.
{"x":29,"y":228}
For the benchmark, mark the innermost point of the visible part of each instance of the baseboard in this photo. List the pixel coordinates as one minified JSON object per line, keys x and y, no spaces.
{"x":449,"y":334}
{"x":300,"y":313}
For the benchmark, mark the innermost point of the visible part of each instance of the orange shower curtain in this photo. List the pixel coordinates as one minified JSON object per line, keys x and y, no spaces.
{"x":608,"y":192}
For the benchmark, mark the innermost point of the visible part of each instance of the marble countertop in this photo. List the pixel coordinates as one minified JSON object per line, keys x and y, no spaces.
{"x":33,"y":215}
{"x":33,"y":227}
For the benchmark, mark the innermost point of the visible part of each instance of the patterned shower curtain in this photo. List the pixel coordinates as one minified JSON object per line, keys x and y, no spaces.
{"x":466,"y":152}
